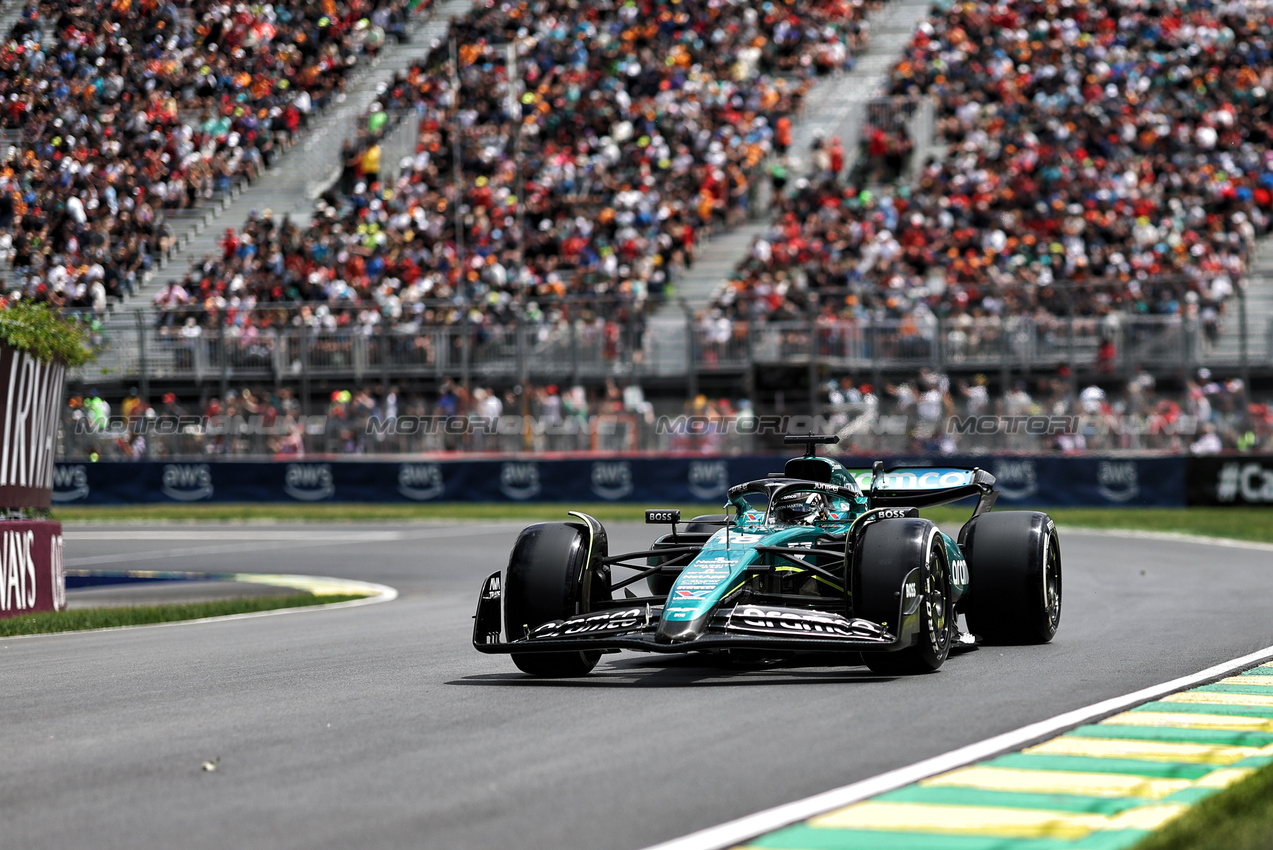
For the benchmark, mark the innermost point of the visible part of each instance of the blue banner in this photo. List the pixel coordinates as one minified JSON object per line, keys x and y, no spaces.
{"x":1023,"y":481}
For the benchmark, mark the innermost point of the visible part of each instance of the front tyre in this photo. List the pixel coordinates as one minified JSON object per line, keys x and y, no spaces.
{"x":1014,"y":571}
{"x":552,"y":575}
{"x":889,"y":552}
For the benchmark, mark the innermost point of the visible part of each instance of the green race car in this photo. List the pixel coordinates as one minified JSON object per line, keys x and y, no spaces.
{"x":817,"y":558}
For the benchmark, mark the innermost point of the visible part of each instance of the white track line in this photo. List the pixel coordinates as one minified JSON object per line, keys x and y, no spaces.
{"x":298,"y":542}
{"x":378,"y":593}
{"x":1171,"y":537}
{"x":751,"y":826}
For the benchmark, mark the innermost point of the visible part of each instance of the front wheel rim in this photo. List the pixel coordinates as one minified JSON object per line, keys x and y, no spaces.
{"x":1052,"y":582}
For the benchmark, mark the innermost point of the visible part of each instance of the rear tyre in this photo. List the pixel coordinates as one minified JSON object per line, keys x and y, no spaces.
{"x":888,"y":552}
{"x":549,"y":579}
{"x":702,"y":528}
{"x":1014,"y":571}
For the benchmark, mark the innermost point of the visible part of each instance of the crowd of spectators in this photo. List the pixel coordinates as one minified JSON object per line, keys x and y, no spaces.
{"x":1098,"y":156}
{"x":624,"y":134}
{"x":120,"y":113}
{"x":926,"y":416}
{"x":380,"y":419}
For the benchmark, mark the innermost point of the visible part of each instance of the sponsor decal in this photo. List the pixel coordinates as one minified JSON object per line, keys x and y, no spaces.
{"x":1016,"y":479}
{"x":708,"y":479}
{"x":57,"y":561}
{"x":420,"y":482}
{"x":612,"y":480}
{"x":70,"y":483}
{"x":790,"y":621}
{"x":519,"y":481}
{"x":1251,"y":481}
{"x":186,"y":482}
{"x":17,"y":571}
{"x":693,"y":594}
{"x":30,"y":398}
{"x":622,"y":620}
{"x":959,"y":571}
{"x":309,"y":482}
{"x":661,"y":517}
{"x":932,"y":479}
{"x":897,"y":513}
{"x":736,"y":538}
{"x":1117,"y":480}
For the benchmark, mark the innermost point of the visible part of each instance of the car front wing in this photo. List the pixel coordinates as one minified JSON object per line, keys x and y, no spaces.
{"x":633,"y":627}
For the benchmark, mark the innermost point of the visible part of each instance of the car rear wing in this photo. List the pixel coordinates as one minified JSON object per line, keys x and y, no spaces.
{"x":925,"y":486}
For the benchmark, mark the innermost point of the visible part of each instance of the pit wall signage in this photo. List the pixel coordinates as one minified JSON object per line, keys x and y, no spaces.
{"x":32,"y":571}
{"x":30,"y":401}
{"x":1023,"y":481}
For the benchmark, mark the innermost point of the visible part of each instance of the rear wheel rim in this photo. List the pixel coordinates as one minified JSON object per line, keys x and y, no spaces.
{"x":935,"y":602}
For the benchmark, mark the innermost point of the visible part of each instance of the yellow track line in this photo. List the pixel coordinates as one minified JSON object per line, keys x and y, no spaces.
{"x":1111,"y":785}
{"x":1072,"y":745}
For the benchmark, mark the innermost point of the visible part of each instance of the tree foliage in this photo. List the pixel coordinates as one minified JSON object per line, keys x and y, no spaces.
{"x":45,"y":334}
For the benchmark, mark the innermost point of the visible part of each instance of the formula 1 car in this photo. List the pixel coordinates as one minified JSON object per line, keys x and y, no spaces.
{"x":817,"y":558}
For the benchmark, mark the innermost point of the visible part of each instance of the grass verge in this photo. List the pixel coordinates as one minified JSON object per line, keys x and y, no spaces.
{"x":1237,"y":818}
{"x":1240,"y":523}
{"x":108,"y":618}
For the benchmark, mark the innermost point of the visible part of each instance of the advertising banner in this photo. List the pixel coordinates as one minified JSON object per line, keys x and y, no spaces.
{"x":30,"y":399}
{"x":32,"y":575}
{"x":1230,"y":481}
{"x":1022,"y":481}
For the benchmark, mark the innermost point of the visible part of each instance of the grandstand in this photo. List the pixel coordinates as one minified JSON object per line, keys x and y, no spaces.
{"x":662,"y":324}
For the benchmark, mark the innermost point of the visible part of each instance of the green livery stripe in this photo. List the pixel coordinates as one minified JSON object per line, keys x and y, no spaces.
{"x":1101,"y":786}
{"x":1010,"y":799}
{"x":1086,"y":764}
{"x":1177,"y":734}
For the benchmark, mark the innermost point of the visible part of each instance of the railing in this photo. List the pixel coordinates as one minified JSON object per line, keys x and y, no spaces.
{"x":592,"y":349}
{"x":872,"y":426}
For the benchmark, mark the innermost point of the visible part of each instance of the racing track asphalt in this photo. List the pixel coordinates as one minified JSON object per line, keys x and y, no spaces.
{"x":380,"y":726}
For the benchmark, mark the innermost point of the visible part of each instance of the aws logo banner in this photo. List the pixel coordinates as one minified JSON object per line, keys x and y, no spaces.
{"x":708,"y":479}
{"x":519,"y":480}
{"x":187,"y":482}
{"x":309,"y":482}
{"x":70,"y":483}
{"x":1017,"y":479}
{"x":421,"y":482}
{"x":612,"y":480}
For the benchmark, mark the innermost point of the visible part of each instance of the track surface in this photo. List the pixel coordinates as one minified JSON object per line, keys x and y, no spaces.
{"x":381,"y":727}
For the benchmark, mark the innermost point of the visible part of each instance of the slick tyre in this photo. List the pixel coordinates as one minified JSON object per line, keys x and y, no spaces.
{"x":892,"y":554}
{"x":1014,"y":572}
{"x":701,"y":528}
{"x":549,"y":579}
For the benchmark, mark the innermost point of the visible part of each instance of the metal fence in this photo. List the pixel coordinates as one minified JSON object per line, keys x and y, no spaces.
{"x":592,"y":349}
{"x":877,"y":425}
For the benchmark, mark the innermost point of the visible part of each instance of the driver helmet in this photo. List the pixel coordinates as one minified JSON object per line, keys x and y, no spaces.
{"x":806,"y":508}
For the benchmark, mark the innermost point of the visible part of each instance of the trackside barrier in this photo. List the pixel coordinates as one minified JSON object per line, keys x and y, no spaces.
{"x":1233,"y":480}
{"x":1023,"y":480}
